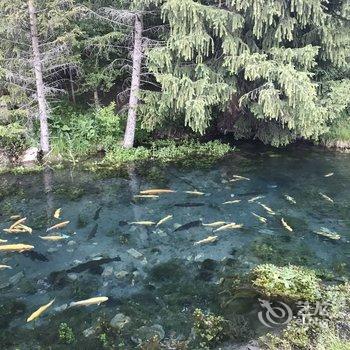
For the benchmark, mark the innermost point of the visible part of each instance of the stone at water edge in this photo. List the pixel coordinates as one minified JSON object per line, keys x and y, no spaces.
{"x":134,"y":253}
{"x":29,"y":156}
{"x":146,"y":333}
{"x":121,"y":274}
{"x":119,"y":321}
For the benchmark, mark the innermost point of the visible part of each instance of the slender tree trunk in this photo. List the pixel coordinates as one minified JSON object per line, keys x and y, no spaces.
{"x":96,"y":99}
{"x":40,"y":89}
{"x":71,"y":84}
{"x":129,"y":135}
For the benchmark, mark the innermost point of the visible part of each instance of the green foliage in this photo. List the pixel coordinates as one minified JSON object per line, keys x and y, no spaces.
{"x":66,"y":334}
{"x":12,"y":138}
{"x":186,"y":153}
{"x":208,"y":328}
{"x":84,"y":133}
{"x":291,"y":282}
{"x":265,"y":53}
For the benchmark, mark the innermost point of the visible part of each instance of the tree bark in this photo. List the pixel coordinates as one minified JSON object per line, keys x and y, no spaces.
{"x":40,"y":89}
{"x":72,"y":85}
{"x":96,"y":99}
{"x":129,"y":135}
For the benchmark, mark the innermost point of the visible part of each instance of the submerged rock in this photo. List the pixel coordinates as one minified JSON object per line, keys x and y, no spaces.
{"x":121,"y":274}
{"x":146,"y":333}
{"x":89,"y":332}
{"x":134,"y":253}
{"x":119,"y":321}
{"x":16,"y":278}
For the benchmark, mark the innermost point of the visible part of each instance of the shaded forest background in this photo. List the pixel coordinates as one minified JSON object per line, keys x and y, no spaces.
{"x":78,"y":77}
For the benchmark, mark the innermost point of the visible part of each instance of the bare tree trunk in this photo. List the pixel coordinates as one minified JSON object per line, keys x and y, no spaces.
{"x":129,"y":135}
{"x":96,"y":99}
{"x":40,"y":90}
{"x":71,"y":85}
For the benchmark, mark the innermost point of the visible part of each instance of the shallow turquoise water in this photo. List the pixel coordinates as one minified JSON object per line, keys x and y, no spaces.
{"x":173,"y":276}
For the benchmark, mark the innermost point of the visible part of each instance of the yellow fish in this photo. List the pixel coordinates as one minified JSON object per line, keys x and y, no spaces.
{"x":238,"y":177}
{"x":228,"y":227}
{"x":255,"y":199}
{"x":14,"y":230}
{"x":52,"y":238}
{"x":20,"y":247}
{"x":25,"y":228}
{"x":3,"y":267}
{"x":268,"y":209}
{"x":164,"y":220}
{"x":290,"y":199}
{"x":196,"y":193}
{"x":328,"y":175}
{"x":327,"y":198}
{"x":38,"y":312}
{"x":260,"y":218}
{"x":17,"y":223}
{"x":215,"y":224}
{"x":157,"y":191}
{"x":60,"y":225}
{"x":15,"y":217}
{"x":91,"y":301}
{"x":57,"y":213}
{"x":3,"y":240}
{"x":286,"y":225}
{"x":209,"y":239}
{"x":145,"y":223}
{"x":232,"y":202}
{"x":146,"y":196}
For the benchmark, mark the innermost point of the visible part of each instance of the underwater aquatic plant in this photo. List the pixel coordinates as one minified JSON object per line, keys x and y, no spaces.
{"x":66,"y":334}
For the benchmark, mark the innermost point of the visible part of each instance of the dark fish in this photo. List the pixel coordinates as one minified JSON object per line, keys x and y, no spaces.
{"x":93,"y":232}
{"x":189,"y":225}
{"x":33,"y":255}
{"x":186,"y":205}
{"x":97,"y":213}
{"x":123,"y":223}
{"x":94,"y":266}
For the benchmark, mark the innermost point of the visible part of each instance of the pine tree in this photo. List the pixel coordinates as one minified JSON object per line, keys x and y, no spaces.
{"x":36,"y":40}
{"x":258,"y":61}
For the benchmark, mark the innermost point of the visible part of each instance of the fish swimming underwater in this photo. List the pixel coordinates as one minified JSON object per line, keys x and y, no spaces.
{"x":38,"y":312}
{"x":210,"y":239}
{"x":189,"y":225}
{"x":57,"y":213}
{"x":20,"y":247}
{"x":215,"y":224}
{"x":33,"y":255}
{"x":324,"y":232}
{"x":188,"y":205}
{"x":255,"y":199}
{"x":146,"y":196}
{"x":57,"y":226}
{"x":232,"y":202}
{"x":15,"y":217}
{"x":329,"y":174}
{"x":93,"y":232}
{"x":52,"y":238}
{"x":287,"y":227}
{"x":268,"y":209}
{"x":97,"y":213}
{"x":4,"y":267}
{"x":195,"y":193}
{"x":230,"y":226}
{"x":260,"y":218}
{"x":3,"y":240}
{"x":143,"y":223}
{"x":290,"y":199}
{"x":327,"y":198}
{"x":157,"y":191}
{"x":238,"y":178}
{"x":162,"y":221}
{"x":20,"y":221}
{"x":87,"y":302}
{"x":92,"y":265}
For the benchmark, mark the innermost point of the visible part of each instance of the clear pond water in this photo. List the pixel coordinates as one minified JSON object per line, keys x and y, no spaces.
{"x":156,"y":275}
